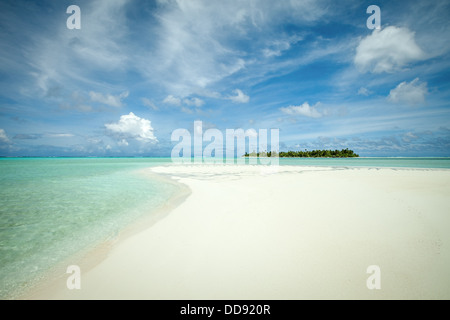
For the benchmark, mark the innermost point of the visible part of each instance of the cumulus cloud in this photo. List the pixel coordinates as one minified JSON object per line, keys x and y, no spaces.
{"x":411,"y":93}
{"x":131,"y":127}
{"x":304,"y":110}
{"x":3,"y":137}
{"x":239,"y":97}
{"x":110,"y":100}
{"x":387,"y":50}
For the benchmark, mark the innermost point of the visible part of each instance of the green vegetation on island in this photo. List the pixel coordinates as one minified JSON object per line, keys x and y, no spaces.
{"x":344,"y":153}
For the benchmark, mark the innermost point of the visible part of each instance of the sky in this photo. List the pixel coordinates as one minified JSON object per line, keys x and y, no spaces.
{"x":136,"y":71}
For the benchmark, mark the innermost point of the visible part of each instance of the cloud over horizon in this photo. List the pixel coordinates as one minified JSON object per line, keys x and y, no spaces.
{"x":3,"y":137}
{"x":412,"y":93}
{"x":303,"y":110}
{"x":131,"y":127}
{"x":387,"y":50}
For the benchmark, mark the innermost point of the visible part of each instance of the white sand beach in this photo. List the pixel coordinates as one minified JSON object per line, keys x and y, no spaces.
{"x":287,"y":232}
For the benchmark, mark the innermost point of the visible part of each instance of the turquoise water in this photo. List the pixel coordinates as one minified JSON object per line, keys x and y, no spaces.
{"x":432,"y":163}
{"x":428,"y":163}
{"x":51,"y":208}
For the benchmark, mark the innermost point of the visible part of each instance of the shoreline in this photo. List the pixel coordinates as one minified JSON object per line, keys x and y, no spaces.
{"x":90,"y":257}
{"x":252,"y":232}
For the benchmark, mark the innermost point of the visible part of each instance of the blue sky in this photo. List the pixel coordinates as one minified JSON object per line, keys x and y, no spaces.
{"x":138,"y":70}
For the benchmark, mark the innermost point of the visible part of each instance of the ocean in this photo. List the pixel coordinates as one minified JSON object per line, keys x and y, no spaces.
{"x":53,"y":208}
{"x":424,"y":163}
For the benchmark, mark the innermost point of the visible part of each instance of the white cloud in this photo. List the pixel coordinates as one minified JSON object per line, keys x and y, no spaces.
{"x":197,"y":41}
{"x":410,"y":93}
{"x":304,"y":110}
{"x":106,"y":22}
{"x":131,"y":126}
{"x":268,"y":53}
{"x":3,"y":137}
{"x":80,"y":54}
{"x":110,"y":100}
{"x":387,"y":50}
{"x":276,"y":47}
{"x":189,"y":55}
{"x":189,"y":46}
{"x":170,"y":99}
{"x":240,"y":97}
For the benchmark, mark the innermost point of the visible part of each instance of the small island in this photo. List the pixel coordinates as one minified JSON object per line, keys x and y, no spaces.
{"x":344,"y":153}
